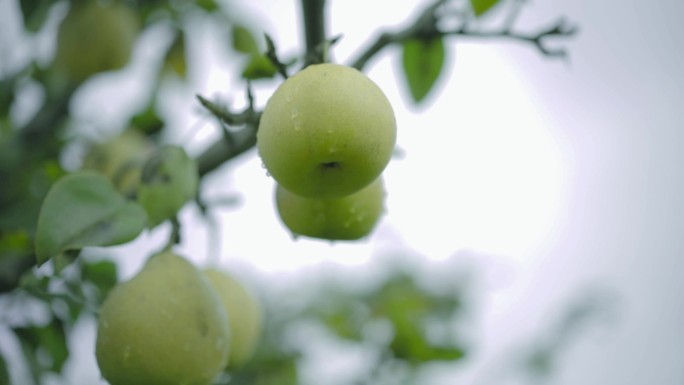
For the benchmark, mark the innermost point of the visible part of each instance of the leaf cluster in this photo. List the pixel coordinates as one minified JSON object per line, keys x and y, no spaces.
{"x":398,"y":322}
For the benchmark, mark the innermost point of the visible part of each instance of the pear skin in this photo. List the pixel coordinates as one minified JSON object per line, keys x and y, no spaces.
{"x":244,"y":312}
{"x":166,"y":326}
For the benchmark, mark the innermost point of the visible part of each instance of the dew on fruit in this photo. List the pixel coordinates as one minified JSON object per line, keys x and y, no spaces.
{"x":294,"y":236}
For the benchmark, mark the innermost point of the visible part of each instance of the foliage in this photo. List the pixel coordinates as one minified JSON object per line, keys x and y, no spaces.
{"x":53,"y":213}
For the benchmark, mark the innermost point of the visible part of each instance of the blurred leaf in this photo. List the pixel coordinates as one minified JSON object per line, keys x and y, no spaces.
{"x":540,"y":362}
{"x":346,"y":318}
{"x":7,"y":96}
{"x":244,"y":41}
{"x":279,"y":373}
{"x":31,"y":182}
{"x":148,"y":121}
{"x":259,"y":67}
{"x":279,"y":369}
{"x":153,"y":10}
{"x":35,"y":13}
{"x":45,"y":347}
{"x":407,"y":307}
{"x":170,"y":179}
{"x":207,"y":5}
{"x":84,"y":209}
{"x":480,"y":7}
{"x":40,"y":288}
{"x":176,"y":58}
{"x":4,"y":373}
{"x":65,"y":259}
{"x":343,"y":325}
{"x":12,"y":267}
{"x":423,"y":62}
{"x":103,"y":274}
{"x":36,"y":286}
{"x":16,"y":241}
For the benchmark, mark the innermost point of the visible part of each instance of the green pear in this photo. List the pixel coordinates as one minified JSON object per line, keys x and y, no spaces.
{"x":326,"y":132}
{"x":94,"y":37}
{"x":244,"y":312}
{"x":169,"y":180}
{"x":120,"y":159}
{"x":166,"y":326}
{"x":348,"y":218}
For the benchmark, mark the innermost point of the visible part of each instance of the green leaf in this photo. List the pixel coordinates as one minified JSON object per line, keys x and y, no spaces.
{"x":65,"y":259}
{"x":148,"y":120}
{"x":170,"y":179}
{"x":345,"y":318}
{"x":68,"y":293}
{"x":35,"y":13}
{"x":259,"y":67}
{"x":207,"y":5}
{"x":244,"y":41}
{"x":12,"y":268}
{"x":15,"y":242}
{"x":4,"y":373}
{"x":277,"y":368}
{"x":423,"y":62}
{"x":45,"y":347}
{"x":84,"y":209}
{"x":407,"y":307}
{"x":480,"y":7}
{"x":175,"y":60}
{"x":103,"y":274}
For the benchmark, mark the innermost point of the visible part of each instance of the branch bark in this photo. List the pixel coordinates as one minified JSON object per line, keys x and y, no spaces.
{"x":426,"y":25}
{"x":313,"y":13}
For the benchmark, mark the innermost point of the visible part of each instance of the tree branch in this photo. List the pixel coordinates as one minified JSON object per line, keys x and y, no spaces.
{"x":313,"y":12}
{"x":560,"y":29}
{"x":426,"y":25}
{"x":233,"y":143}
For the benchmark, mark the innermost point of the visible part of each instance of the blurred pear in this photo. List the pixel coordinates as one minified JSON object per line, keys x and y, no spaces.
{"x":166,"y":326}
{"x":244,"y":313}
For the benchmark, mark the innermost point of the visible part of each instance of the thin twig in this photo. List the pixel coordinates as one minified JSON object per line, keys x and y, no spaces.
{"x":222,"y":113}
{"x":273,"y":56}
{"x":560,"y":29}
{"x":239,"y":141}
{"x":426,"y":25}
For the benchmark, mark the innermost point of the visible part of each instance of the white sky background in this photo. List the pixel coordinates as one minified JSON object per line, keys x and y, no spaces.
{"x":545,"y":178}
